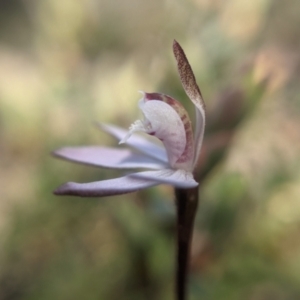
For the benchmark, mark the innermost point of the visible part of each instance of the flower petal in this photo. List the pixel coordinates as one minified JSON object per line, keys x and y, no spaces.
{"x":177,"y":178}
{"x":137,"y":142}
{"x":186,"y":160}
{"x":165,"y":124}
{"x":110,"y":187}
{"x":107,"y":157}
{"x":191,"y":88}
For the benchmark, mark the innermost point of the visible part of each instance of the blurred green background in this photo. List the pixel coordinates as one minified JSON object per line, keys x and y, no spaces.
{"x":65,"y":64}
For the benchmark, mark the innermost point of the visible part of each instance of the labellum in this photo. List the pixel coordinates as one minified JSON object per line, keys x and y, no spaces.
{"x":166,"y":119}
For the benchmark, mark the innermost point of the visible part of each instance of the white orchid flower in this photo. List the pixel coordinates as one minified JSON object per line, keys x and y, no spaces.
{"x":172,"y":163}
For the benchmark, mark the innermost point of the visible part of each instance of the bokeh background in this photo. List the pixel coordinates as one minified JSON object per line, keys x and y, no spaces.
{"x":65,"y":64}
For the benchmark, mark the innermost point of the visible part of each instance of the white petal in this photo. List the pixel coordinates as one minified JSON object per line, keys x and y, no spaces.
{"x":136,"y":141}
{"x":177,"y":178}
{"x":110,"y":187}
{"x":108,"y":157}
{"x":166,"y":125}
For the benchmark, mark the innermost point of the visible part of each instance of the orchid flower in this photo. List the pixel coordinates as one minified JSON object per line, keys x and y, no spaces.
{"x":173,"y":161}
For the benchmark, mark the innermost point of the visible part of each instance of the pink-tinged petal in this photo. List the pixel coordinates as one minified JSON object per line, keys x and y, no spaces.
{"x":185,"y":161}
{"x":110,"y":187}
{"x":137,"y":142}
{"x":177,"y":178}
{"x":191,"y":88}
{"x":165,"y":124}
{"x":107,"y":157}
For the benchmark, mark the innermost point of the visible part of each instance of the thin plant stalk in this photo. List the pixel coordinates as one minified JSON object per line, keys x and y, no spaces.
{"x":186,"y":203}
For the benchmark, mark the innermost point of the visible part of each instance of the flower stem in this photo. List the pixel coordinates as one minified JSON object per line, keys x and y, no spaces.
{"x":187,"y":202}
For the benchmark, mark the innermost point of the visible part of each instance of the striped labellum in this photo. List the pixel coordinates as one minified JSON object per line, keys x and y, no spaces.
{"x":166,"y":119}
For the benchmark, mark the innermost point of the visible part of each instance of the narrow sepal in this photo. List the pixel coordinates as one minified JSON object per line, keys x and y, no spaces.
{"x":192,"y":90}
{"x":108,"y":157}
{"x":187,"y":76}
{"x":110,"y":187}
